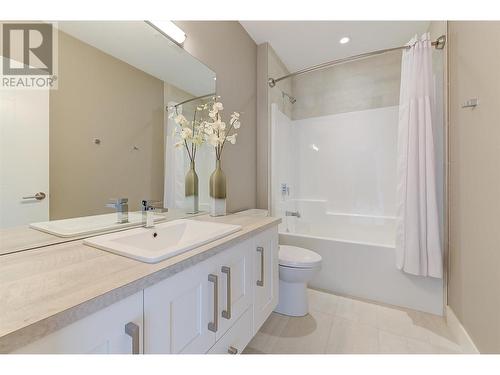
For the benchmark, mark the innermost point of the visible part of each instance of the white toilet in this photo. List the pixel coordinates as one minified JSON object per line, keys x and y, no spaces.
{"x":297,"y":267}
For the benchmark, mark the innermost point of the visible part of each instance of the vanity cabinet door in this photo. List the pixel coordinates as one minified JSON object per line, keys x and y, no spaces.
{"x":265,"y":275}
{"x":116,"y":329}
{"x":235,"y":284}
{"x":179,"y":310}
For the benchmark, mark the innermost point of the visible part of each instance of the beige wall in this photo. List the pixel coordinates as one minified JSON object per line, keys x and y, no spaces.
{"x":102,"y":97}
{"x":359,"y":85}
{"x":474,"y":180}
{"x":226,"y":48}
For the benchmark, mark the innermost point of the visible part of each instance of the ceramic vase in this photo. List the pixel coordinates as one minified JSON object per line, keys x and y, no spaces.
{"x":191,"y":190}
{"x":217,"y":191}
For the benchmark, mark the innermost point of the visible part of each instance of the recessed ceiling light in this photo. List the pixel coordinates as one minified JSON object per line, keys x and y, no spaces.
{"x":169,"y":29}
{"x":344,"y":40}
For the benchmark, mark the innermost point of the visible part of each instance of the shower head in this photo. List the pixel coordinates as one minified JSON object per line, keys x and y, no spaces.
{"x":290,"y":98}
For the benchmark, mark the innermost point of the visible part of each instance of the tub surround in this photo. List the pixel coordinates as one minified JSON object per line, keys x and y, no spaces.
{"x":347,"y":215}
{"x":366,"y":270}
{"x":46,"y":289}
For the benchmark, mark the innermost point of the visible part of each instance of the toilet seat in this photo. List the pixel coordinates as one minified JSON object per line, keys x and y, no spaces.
{"x":298,"y":257}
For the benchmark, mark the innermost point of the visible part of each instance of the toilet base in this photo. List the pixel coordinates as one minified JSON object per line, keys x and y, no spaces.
{"x":293,"y":299}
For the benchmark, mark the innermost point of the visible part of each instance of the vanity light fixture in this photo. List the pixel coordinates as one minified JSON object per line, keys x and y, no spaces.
{"x":170,"y":30}
{"x":344,"y":40}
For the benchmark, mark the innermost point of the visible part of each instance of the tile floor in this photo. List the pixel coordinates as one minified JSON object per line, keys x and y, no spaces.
{"x":347,"y":326}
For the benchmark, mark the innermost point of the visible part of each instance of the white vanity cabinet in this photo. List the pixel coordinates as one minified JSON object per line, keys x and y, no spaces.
{"x":218,"y":305}
{"x":264,"y":283}
{"x":214,"y":306}
{"x":189,"y":312}
{"x":116,"y":329}
{"x":265,"y":276}
{"x":178,"y":312}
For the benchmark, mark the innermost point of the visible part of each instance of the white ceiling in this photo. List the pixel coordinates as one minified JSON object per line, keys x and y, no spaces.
{"x":301,"y":44}
{"x":141,"y":46}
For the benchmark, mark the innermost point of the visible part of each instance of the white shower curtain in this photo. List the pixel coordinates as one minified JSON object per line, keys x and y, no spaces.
{"x":175,"y":166}
{"x":418,"y":246}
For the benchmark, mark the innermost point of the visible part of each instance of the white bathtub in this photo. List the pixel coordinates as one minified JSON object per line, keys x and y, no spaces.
{"x":359,"y":258}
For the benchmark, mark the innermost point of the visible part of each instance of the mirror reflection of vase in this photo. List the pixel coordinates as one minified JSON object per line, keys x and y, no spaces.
{"x":191,"y":190}
{"x":218,"y":191}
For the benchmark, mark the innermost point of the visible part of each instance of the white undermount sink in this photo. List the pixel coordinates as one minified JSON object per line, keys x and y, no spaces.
{"x":164,"y":241}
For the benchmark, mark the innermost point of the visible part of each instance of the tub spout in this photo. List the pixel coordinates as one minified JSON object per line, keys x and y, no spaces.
{"x":293,"y":213}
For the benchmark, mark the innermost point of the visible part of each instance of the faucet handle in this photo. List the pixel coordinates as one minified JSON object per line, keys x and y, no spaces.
{"x":148,"y":205}
{"x":118,"y":201}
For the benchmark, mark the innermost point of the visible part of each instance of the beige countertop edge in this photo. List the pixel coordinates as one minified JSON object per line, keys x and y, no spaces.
{"x":32,"y":331}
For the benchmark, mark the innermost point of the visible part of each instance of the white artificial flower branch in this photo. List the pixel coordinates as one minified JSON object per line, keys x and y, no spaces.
{"x":212,"y":130}
{"x":216,"y":129}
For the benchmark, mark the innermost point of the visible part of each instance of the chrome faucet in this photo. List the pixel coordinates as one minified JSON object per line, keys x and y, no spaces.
{"x":293,"y":213}
{"x":148,"y":208}
{"x":121,"y":207}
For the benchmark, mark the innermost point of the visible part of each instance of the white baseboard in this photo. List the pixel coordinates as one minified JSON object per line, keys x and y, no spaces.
{"x":460,"y":333}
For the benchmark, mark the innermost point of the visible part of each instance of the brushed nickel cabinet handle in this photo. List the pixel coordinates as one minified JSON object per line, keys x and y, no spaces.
{"x":227,"y":312}
{"x":232,"y":350}
{"x":38,"y":196}
{"x":132,"y":330}
{"x":260,"y":250}
{"x":214,"y":326}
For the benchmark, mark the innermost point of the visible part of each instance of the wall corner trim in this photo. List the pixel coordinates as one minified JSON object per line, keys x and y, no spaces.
{"x":460,"y":332}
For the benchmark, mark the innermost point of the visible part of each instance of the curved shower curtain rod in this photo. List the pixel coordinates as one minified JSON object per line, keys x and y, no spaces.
{"x":439,"y":43}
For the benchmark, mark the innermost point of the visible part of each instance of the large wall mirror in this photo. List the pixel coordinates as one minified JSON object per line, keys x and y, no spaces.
{"x":105,"y":133}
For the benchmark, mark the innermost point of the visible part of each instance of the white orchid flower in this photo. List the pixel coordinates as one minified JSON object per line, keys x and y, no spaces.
{"x":232,"y":138}
{"x":198,"y":140}
{"x":235,"y":116}
{"x":186,"y":133}
{"x":212,"y":114}
{"x":180,"y":119}
{"x":236,"y":124}
{"x":218,"y":106}
{"x":213,"y":140}
{"x":222,"y":125}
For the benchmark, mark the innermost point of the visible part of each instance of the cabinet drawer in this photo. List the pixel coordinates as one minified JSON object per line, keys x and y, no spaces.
{"x":237,"y":337}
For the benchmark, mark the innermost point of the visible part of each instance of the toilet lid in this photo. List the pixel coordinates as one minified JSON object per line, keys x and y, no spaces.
{"x":298,"y":257}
